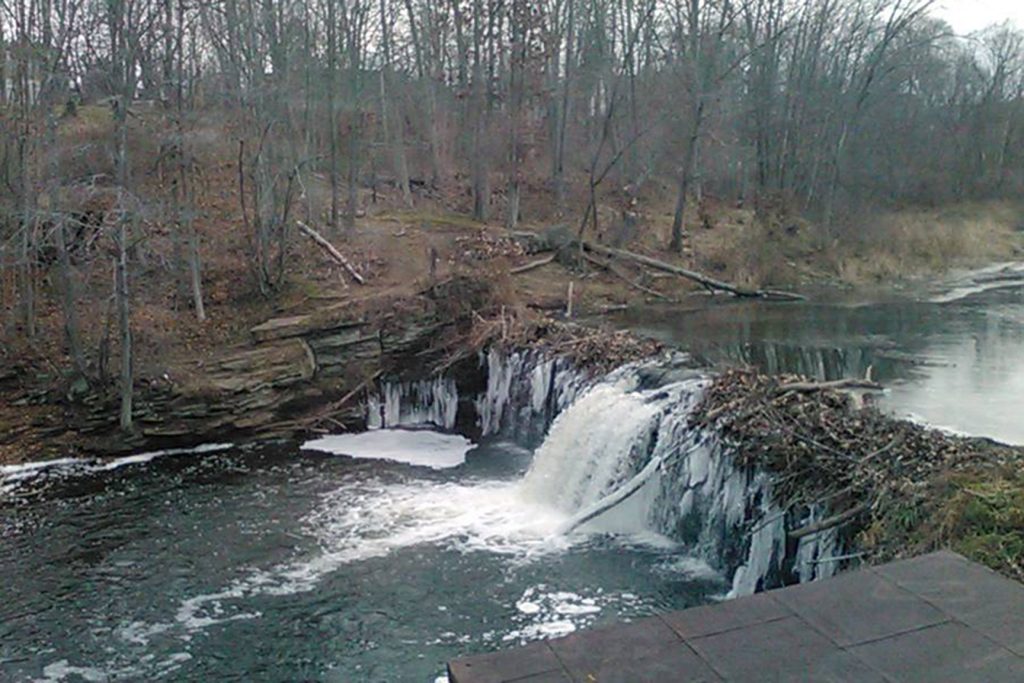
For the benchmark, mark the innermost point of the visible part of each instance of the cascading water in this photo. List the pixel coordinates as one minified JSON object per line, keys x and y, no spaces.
{"x":617,"y":455}
{"x":591,"y":499}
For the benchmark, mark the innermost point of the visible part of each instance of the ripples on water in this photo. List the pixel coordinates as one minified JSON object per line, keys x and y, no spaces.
{"x":272,"y":564}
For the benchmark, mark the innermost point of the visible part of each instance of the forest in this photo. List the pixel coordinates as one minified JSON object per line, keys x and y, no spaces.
{"x":163,"y":161}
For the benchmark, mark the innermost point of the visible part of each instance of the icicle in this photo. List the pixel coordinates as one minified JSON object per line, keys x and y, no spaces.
{"x":501,"y":372}
{"x":427,"y":402}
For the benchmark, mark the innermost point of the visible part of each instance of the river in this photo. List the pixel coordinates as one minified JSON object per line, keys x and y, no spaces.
{"x":282,"y":563}
{"x":952,"y":358}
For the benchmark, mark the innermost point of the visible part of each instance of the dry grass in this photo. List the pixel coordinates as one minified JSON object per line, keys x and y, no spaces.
{"x":730,"y":243}
{"x":913,"y":243}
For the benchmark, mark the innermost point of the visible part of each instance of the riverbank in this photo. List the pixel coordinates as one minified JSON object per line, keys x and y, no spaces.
{"x":877,"y":486}
{"x":407,"y":260}
{"x":396,"y":250}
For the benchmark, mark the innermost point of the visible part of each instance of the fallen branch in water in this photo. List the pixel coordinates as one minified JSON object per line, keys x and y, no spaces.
{"x":620,"y":495}
{"x":331,"y":250}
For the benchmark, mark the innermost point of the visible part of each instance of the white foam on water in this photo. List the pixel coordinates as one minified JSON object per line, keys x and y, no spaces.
{"x":691,"y":567}
{"x":140,"y":632}
{"x":927,"y":424}
{"x":65,"y":466}
{"x":29,"y":468}
{"x":370,"y":519}
{"x":139,"y":458}
{"x":64,"y":670}
{"x":543,"y":612}
{"x":413,"y":447}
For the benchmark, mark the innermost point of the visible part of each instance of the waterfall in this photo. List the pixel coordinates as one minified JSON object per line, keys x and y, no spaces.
{"x":619,"y":453}
{"x":592,"y":447}
{"x":621,"y":441}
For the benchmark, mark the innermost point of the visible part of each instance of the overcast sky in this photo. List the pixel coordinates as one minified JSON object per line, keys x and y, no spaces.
{"x":970,"y":15}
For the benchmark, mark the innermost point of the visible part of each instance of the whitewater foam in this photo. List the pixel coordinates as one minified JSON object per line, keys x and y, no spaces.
{"x":12,"y":476}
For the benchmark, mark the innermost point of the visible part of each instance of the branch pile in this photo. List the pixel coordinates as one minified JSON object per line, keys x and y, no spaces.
{"x":597,"y":350}
{"x":887,"y":477}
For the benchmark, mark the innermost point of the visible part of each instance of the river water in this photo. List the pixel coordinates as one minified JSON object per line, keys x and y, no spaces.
{"x":953,"y":358}
{"x":281,"y":563}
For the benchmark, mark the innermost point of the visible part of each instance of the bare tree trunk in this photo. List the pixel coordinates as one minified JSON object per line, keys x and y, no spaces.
{"x":397,"y":144}
{"x":686,"y":178}
{"x":332,"y":109}
{"x":187,"y":189}
{"x":66,"y":278}
{"x":124,"y":82}
{"x":27,"y":257}
{"x":517,"y":67}
{"x":481,"y":184}
{"x":352,"y":203}
{"x":566,"y":106}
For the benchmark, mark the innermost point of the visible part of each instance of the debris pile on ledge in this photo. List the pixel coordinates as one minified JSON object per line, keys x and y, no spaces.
{"x":503,"y":324}
{"x":898,"y":487}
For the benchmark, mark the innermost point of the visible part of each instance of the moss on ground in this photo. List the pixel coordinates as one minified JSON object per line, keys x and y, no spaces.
{"x":983,"y":518}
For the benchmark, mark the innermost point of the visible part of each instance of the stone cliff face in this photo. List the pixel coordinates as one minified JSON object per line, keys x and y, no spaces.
{"x":291,"y":368}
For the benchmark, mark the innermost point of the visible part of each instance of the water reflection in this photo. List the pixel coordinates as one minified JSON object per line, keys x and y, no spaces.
{"x":958,"y":364}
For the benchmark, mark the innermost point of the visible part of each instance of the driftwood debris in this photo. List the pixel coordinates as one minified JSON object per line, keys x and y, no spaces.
{"x":879,"y":482}
{"x":332,"y":251}
{"x":829,"y":522}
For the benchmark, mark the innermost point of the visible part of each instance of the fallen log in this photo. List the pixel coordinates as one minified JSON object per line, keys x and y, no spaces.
{"x":620,"y":495}
{"x":693,"y":275}
{"x":322,"y":242}
{"x":625,"y":278}
{"x":533,"y":264}
{"x":540,"y":243}
{"x":837,"y":385}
